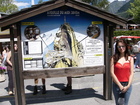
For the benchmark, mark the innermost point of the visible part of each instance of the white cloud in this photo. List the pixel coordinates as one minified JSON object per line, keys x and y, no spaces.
{"x":21,"y":4}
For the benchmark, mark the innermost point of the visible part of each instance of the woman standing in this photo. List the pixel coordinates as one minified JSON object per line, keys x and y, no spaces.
{"x":9,"y":71}
{"x":122,"y":69}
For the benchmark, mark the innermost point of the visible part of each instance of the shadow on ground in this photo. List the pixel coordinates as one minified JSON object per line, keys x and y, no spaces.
{"x":54,"y":95}
{"x":58,"y":95}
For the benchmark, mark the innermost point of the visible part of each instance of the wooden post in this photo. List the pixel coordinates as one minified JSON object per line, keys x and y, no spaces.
{"x":18,"y":81}
{"x":20,"y":67}
{"x":107,"y":85}
{"x":110,"y":52}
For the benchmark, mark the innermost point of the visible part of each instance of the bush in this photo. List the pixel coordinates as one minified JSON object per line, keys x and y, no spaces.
{"x":127,"y":33}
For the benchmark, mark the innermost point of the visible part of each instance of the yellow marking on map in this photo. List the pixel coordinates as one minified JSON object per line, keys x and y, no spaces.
{"x":98,"y":55}
{"x":28,"y":58}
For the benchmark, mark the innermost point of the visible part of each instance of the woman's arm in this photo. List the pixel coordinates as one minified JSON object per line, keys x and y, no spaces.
{"x":115,"y":79}
{"x":8,"y":58}
{"x":131,"y":74}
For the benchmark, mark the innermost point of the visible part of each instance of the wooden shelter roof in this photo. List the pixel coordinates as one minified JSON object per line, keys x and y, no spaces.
{"x":53,"y":4}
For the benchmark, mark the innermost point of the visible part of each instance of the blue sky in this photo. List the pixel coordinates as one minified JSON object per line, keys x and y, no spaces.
{"x":27,"y":3}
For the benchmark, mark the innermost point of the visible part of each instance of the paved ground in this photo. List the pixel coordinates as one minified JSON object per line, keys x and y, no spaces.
{"x":86,"y":91}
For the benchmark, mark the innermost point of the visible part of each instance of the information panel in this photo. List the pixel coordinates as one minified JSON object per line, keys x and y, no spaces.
{"x":62,"y":38}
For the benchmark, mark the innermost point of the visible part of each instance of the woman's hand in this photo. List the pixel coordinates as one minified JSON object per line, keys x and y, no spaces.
{"x":125,"y":89}
{"x":122,"y":88}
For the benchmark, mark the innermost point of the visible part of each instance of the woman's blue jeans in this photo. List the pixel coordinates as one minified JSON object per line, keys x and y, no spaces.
{"x":116,"y":91}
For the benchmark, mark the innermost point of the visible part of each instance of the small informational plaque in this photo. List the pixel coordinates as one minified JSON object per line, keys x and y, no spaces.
{"x":35,"y":47}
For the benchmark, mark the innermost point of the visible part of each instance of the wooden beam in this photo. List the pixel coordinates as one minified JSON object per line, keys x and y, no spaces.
{"x":38,"y":9}
{"x":5,"y":36}
{"x":98,"y":12}
{"x":31,"y":12}
{"x":63,"y":72}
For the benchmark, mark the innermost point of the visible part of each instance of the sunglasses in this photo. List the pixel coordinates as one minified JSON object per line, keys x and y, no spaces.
{"x":121,"y":46}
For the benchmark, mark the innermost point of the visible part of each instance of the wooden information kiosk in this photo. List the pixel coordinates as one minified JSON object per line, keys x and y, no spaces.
{"x":61,"y":38}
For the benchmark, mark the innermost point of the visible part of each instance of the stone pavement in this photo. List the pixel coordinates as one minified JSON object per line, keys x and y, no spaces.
{"x":86,"y":91}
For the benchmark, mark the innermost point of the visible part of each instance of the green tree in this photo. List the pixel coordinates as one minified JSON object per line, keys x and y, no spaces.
{"x":40,"y":1}
{"x":103,"y":4}
{"x":134,"y":11}
{"x":7,"y":6}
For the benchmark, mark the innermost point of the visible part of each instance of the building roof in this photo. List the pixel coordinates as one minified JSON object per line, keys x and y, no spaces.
{"x":53,"y":4}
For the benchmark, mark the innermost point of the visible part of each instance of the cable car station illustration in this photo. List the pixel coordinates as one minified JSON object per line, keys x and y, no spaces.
{"x":61,"y":38}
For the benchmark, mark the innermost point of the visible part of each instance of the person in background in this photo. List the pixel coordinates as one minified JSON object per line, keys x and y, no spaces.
{"x":68,"y":88}
{"x":137,"y":55}
{"x":43,"y":87}
{"x":4,"y":55}
{"x":10,"y":72}
{"x":122,"y":71}
{"x":10,"y":69}
{"x":114,"y":45}
{"x":132,"y":53}
{"x":15,"y":47}
{"x":0,"y":61}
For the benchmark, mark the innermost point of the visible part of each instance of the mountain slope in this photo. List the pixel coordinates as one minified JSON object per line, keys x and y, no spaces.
{"x":115,"y":6}
{"x":122,"y":12}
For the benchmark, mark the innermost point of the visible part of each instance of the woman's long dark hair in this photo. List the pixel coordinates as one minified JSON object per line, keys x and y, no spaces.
{"x":116,"y":56}
{"x":9,"y":47}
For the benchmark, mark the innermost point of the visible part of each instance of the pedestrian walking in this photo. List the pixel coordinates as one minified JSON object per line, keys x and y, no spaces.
{"x":122,"y":71}
{"x":137,"y":55}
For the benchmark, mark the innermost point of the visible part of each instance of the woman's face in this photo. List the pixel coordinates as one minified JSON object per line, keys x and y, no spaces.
{"x":121,"y":47}
{"x":15,"y":47}
{"x":7,"y":49}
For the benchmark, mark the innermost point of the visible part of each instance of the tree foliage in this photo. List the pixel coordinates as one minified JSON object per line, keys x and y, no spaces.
{"x":7,"y":6}
{"x":40,"y":1}
{"x":103,"y":4}
{"x":134,"y":11}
